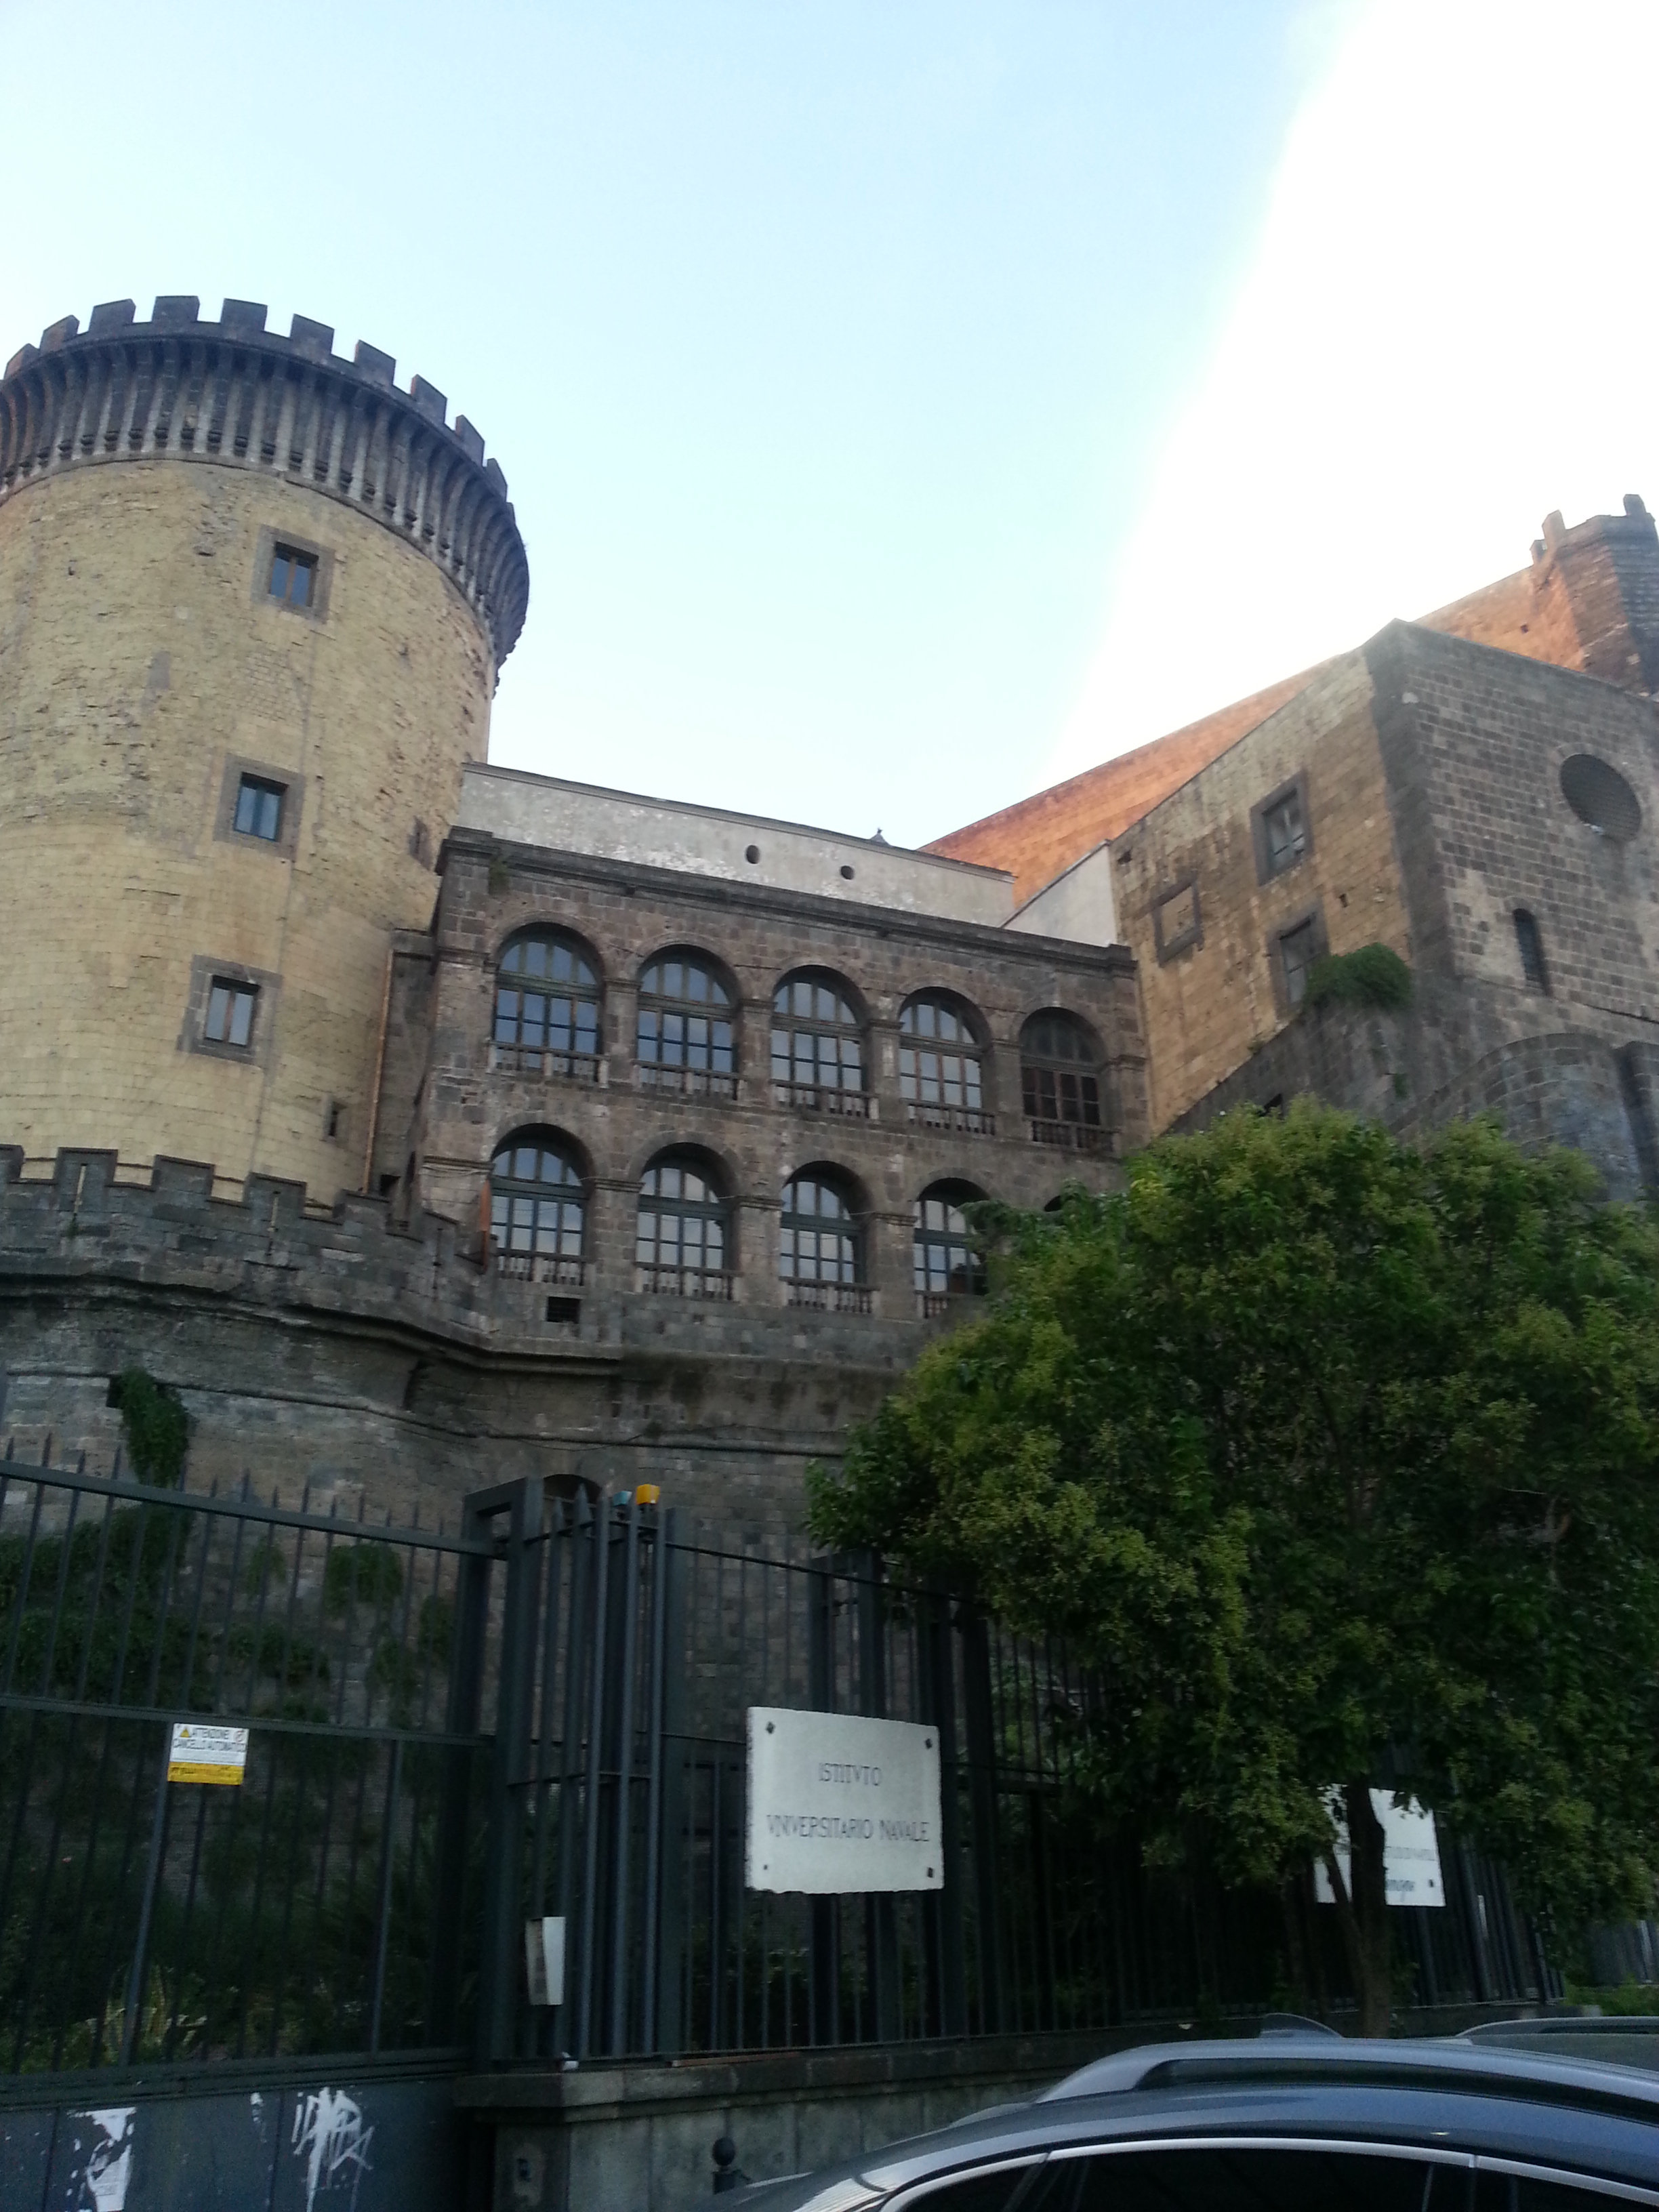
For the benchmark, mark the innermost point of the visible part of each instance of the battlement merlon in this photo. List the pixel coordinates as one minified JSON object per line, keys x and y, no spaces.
{"x":234,"y":393}
{"x":268,"y":1247}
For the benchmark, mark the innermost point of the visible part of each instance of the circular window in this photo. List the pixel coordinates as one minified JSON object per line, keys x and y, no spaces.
{"x":1598,"y":794}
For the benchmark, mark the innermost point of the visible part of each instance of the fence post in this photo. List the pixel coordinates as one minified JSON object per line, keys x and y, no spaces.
{"x":462,"y":1717}
{"x":825,"y":1990}
{"x":945,"y":1915}
{"x":982,"y":1798}
{"x":880,"y":1918}
{"x":500,"y":1934}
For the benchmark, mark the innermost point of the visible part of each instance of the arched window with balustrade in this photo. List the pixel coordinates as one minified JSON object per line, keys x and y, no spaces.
{"x":683,"y":1242}
{"x":822,"y":1250}
{"x":819,"y":1059}
{"x":1060,"y":1082}
{"x":947,"y":1264}
{"x":941,"y":1069}
{"x":537,"y":1207}
{"x":686,"y":1034}
{"x":547,"y":1007}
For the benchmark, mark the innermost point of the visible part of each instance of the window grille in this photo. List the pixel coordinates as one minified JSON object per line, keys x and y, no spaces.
{"x":536,"y":1209}
{"x":817,"y":1042}
{"x":547,"y":1008}
{"x":686,"y":1039}
{"x":1059,"y":1085}
{"x":681,"y":1240}
{"x":940,"y":1076}
{"x":946,"y":1263}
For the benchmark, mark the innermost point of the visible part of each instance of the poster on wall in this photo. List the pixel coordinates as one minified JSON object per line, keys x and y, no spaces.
{"x":839,"y":1804}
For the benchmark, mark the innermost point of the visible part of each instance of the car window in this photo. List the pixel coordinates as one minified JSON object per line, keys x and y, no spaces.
{"x":1245,"y":2179}
{"x":1527,"y":2192}
{"x":990,"y":2192}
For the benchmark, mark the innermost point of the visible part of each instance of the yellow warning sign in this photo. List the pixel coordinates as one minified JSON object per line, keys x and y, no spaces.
{"x":202,"y":1752}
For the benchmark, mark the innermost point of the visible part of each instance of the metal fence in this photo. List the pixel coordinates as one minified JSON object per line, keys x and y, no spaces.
{"x":541,"y":1712}
{"x":621,"y":1808}
{"x":329,"y":1903}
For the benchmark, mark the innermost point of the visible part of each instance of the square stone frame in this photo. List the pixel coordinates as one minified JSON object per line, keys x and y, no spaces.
{"x":1315,"y":913}
{"x":204,"y":970}
{"x":293,"y":799}
{"x":1297,"y":784}
{"x":1184,"y":939}
{"x":264,"y":552}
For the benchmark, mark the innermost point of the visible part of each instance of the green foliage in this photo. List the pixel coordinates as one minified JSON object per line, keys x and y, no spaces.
{"x":1332,"y":1460}
{"x":362,"y":1574}
{"x":156,"y":1425}
{"x":1370,"y":977}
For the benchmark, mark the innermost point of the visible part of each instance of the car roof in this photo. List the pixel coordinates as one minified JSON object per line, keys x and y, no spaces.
{"x":1558,"y":2075}
{"x":1582,"y":2113}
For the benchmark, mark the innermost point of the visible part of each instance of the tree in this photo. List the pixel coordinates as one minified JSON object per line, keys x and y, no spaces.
{"x":1333,"y":1459}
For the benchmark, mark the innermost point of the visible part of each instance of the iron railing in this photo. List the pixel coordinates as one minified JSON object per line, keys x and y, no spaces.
{"x":328,"y":1903}
{"x":543,"y":1712}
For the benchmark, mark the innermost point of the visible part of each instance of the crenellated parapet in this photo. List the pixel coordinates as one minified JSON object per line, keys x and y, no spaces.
{"x":233,"y":393}
{"x":270,"y":1249}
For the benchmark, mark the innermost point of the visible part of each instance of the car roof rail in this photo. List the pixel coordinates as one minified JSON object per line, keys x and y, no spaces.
{"x":1447,"y":2065}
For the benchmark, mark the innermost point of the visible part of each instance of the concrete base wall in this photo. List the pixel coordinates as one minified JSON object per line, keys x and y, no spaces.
{"x":201,"y":2139}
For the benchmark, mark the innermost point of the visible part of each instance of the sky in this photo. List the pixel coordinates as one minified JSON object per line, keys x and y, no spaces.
{"x":908,"y":402}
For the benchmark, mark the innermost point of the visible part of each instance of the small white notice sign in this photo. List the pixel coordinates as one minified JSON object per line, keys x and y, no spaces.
{"x":201,"y":1752}
{"x":1410,"y":1853}
{"x":838,"y":1804}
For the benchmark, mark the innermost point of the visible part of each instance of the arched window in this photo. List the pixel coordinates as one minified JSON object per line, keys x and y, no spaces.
{"x":940,"y":1078}
{"x":1530,"y":945}
{"x":817,"y":1045}
{"x":947,"y":1264}
{"x":537,"y":1205}
{"x":686,"y":1040}
{"x":1060,"y":1086}
{"x":682,"y":1234}
{"x":547,"y":1008}
{"x":821,"y":1242}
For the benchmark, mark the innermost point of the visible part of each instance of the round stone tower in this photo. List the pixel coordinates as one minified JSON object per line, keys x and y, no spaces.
{"x":253,"y":598}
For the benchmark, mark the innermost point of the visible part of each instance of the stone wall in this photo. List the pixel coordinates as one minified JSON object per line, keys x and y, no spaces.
{"x":1212,"y":993}
{"x":1463,"y":1049}
{"x":623,"y":916}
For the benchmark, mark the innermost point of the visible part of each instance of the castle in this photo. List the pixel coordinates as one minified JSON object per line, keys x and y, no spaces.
{"x":425,"y":1123}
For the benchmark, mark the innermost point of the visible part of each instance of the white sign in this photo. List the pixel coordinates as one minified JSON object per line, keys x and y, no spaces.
{"x":544,"y":1959}
{"x":199,"y":1753}
{"x":838,"y":1804}
{"x":1411,"y":1854}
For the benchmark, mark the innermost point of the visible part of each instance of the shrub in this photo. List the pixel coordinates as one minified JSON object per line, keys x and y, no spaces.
{"x":156,"y":1425}
{"x":1372,"y":976}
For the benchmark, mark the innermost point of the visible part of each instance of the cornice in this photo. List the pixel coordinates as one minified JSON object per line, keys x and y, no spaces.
{"x":235,"y":394}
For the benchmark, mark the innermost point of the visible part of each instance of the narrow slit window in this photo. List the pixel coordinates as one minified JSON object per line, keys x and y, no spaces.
{"x":1530,"y":945}
{"x":259,"y":809}
{"x":292,"y":576}
{"x":230,"y":1011}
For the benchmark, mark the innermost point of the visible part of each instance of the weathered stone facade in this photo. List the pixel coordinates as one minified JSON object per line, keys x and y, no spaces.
{"x":150,"y":476}
{"x":231,"y":559}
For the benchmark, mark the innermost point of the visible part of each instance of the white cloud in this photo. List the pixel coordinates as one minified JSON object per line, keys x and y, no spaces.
{"x":1448,"y":329}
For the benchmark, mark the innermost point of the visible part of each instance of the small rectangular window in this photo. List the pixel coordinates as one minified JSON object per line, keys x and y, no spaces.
{"x":292,"y":576}
{"x":1285,"y":833}
{"x":1298,"y":949}
{"x":259,"y":809}
{"x":230,"y":1012}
